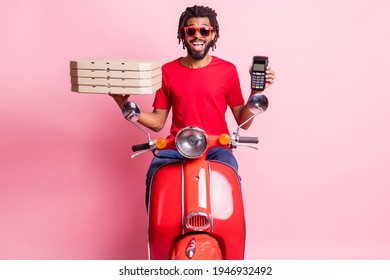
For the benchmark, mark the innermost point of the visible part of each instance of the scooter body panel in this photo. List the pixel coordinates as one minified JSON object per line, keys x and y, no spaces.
{"x":165,"y":211}
{"x":196,"y":196}
{"x":228,"y":210}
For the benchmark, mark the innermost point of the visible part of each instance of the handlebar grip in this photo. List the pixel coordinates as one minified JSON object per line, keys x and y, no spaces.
{"x":140,"y":147}
{"x":244,"y":139}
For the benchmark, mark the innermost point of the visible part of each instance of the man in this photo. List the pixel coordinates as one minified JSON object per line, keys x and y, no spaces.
{"x":198,"y":88}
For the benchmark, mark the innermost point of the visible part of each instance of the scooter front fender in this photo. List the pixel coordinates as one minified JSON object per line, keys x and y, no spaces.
{"x":197,"y":247}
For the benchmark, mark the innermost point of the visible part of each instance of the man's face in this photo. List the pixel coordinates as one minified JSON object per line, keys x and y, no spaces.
{"x":198,"y":46}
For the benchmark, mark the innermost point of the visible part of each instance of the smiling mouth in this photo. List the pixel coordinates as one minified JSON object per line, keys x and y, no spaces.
{"x":198,"y":45}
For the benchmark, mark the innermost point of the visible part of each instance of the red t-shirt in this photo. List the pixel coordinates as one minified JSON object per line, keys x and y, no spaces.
{"x":199,"y":97}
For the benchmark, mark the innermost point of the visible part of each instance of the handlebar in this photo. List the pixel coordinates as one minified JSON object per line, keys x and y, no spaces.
{"x":213,"y":141}
{"x":248,"y":139}
{"x":140,"y":147}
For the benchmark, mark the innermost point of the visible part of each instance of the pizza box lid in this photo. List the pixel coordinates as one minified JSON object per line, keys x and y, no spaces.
{"x":115,"y":64}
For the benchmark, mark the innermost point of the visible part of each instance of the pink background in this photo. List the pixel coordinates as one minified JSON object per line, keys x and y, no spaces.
{"x":318,"y":187}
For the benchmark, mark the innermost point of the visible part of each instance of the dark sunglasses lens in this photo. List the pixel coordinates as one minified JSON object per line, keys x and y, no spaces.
{"x":190,"y":31}
{"x":205,"y":31}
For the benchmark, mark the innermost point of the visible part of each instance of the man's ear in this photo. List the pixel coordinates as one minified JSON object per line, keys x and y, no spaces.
{"x":213,"y":34}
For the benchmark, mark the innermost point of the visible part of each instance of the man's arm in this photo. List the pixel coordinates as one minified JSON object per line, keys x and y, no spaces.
{"x":242,"y":113}
{"x":153,"y":120}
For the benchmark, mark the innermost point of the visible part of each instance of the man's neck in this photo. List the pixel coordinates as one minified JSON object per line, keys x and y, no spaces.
{"x":189,"y":62}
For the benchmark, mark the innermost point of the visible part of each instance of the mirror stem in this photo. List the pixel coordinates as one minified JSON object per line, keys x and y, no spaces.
{"x":241,"y":125}
{"x":141,"y":128}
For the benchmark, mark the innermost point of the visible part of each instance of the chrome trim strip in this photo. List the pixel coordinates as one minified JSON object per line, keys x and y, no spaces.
{"x":182,"y":197}
{"x":211,"y":199}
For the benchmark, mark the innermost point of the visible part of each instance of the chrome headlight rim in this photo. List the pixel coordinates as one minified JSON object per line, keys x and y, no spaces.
{"x":198,"y":132}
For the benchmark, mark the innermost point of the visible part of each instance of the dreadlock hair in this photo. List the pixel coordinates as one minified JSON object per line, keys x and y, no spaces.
{"x":198,"y":11}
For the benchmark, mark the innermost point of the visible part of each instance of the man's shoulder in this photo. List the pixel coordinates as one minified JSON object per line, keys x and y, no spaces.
{"x":173,"y":63}
{"x":219,"y":61}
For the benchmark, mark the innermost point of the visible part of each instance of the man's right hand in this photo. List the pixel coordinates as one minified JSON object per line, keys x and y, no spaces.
{"x":120,"y":99}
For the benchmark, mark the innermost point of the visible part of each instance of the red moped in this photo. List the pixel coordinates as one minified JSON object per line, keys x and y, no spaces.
{"x":195,"y":207}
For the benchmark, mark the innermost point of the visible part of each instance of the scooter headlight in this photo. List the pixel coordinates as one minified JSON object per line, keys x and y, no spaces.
{"x":191,"y":142}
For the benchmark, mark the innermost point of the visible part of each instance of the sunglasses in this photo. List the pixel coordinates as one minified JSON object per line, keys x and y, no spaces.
{"x":204,"y":31}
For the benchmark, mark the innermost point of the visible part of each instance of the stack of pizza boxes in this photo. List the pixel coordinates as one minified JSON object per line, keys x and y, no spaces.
{"x":115,"y":76}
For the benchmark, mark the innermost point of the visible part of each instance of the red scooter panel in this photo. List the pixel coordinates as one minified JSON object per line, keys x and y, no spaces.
{"x":181,"y":189}
{"x":197,"y":247}
{"x":228,"y":211}
{"x":196,"y":196}
{"x":165,"y":211}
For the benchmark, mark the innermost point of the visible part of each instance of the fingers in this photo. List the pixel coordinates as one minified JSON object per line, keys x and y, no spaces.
{"x":120,"y":99}
{"x":119,"y":96}
{"x":270,"y":75}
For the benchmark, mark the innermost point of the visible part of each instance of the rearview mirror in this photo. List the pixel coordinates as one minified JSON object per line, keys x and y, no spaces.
{"x":258,"y":103}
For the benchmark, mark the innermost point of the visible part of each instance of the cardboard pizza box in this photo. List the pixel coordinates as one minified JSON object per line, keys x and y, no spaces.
{"x":116,"y":82}
{"x":116,"y":64}
{"x":121,"y":74}
{"x":115,"y":76}
{"x":116,"y":90}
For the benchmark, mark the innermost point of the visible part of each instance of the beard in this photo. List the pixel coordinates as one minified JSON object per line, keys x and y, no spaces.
{"x":198,"y":55}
